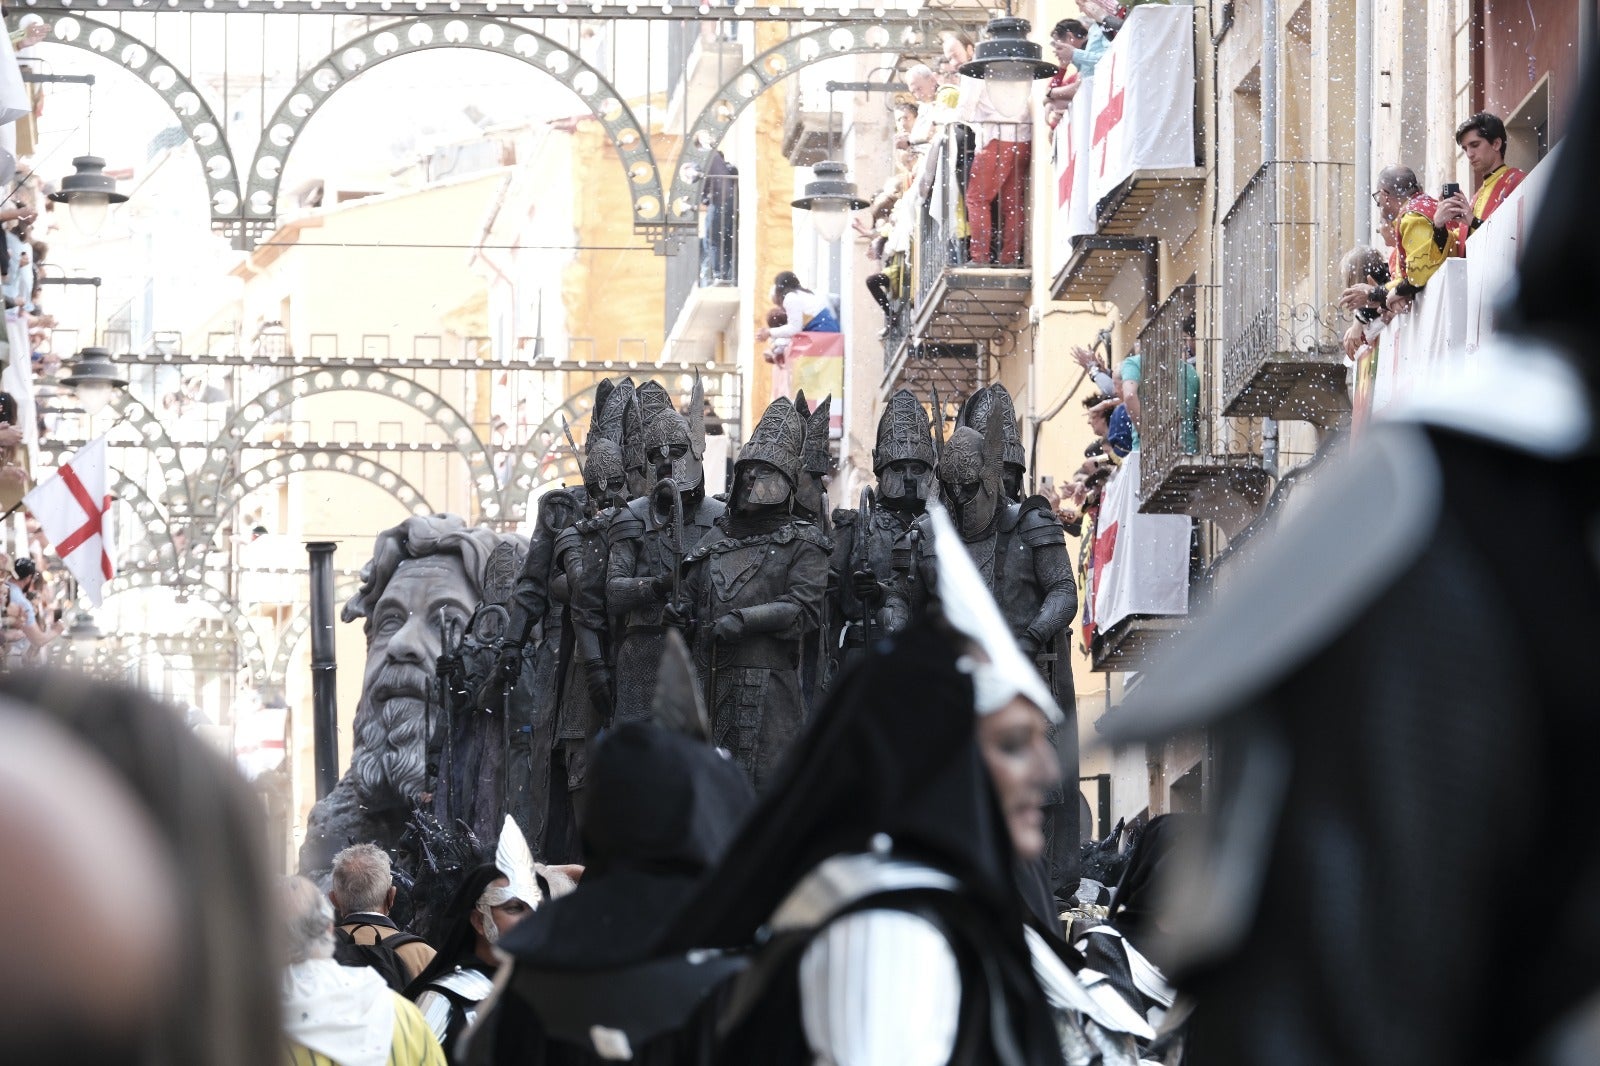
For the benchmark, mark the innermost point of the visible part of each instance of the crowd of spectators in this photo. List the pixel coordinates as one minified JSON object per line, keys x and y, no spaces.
{"x":960,"y":155}
{"x":1421,"y":232}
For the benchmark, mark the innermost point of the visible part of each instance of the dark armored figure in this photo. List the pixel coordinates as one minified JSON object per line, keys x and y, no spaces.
{"x":647,"y":541}
{"x":1021,"y":553}
{"x":755,"y":593}
{"x":864,"y":539}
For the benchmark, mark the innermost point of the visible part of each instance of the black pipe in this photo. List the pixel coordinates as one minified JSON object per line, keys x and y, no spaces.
{"x":324,"y":694}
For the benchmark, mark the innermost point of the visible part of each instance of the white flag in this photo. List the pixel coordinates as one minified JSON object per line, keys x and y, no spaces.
{"x":1141,"y":560}
{"x":74,"y":509}
{"x":1143,"y":98}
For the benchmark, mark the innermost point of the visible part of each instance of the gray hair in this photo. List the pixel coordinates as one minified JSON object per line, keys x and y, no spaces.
{"x":1398,"y":180}
{"x":306,"y":920}
{"x":919,"y":70}
{"x":362,"y":878}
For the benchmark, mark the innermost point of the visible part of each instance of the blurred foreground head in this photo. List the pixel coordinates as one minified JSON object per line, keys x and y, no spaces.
{"x":135,"y":886}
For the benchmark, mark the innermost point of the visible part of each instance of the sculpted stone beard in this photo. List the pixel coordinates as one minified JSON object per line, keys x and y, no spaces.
{"x":389,"y":757}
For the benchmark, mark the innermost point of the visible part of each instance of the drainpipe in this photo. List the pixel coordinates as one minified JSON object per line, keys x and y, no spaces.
{"x":1269,"y":155}
{"x":1364,"y":101}
{"x":324,"y":694}
{"x":1269,"y":81}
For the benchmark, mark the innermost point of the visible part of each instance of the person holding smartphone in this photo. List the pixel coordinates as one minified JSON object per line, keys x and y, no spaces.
{"x":1483,"y":141}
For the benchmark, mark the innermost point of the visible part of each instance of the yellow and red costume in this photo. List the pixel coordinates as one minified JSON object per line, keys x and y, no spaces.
{"x":1420,"y":247}
{"x":1498,"y":184}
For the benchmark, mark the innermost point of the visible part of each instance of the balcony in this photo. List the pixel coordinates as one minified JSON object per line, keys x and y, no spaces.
{"x":1281,"y":326}
{"x":702,"y":278}
{"x":967,"y":279}
{"x":811,"y":130}
{"x":701,"y":57}
{"x":1189,"y":464}
{"x":1125,"y":158}
{"x":1133,"y":642}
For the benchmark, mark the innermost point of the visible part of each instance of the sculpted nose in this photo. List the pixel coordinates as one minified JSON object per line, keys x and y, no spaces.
{"x":414,"y":642}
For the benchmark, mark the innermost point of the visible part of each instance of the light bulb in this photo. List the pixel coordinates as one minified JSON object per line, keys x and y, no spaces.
{"x":828,"y":219}
{"x":88,"y":211}
{"x":1008,"y":94}
{"x":93,"y":396}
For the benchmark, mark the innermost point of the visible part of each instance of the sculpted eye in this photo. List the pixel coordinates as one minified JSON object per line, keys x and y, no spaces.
{"x":390,"y":624}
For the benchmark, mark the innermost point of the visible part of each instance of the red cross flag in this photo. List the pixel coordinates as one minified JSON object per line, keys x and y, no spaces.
{"x":1142,"y":99}
{"x":73,"y":509}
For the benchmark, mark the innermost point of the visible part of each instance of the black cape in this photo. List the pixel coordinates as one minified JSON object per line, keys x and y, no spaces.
{"x":893,"y":752}
{"x":662,"y":808}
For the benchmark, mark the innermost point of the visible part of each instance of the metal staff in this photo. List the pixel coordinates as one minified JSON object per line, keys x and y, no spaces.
{"x":576,"y":454}
{"x":860,"y":560}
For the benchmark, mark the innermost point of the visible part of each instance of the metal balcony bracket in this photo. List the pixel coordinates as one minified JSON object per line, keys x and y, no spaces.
{"x":1141,"y":205}
{"x":972,"y":304}
{"x":1229,"y":490}
{"x":924,"y":367}
{"x":1132,"y":642}
{"x":1096,"y":261}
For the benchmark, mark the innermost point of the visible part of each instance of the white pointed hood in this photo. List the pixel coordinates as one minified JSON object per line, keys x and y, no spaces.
{"x":967,"y":604}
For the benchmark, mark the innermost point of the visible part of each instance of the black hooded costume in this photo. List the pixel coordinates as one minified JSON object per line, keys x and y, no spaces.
{"x":878,"y":827}
{"x":662,"y":808}
{"x":1401,"y":868}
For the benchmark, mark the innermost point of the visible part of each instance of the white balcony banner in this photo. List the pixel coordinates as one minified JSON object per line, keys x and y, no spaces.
{"x":1141,"y":561}
{"x":1143,"y":102}
{"x":1423,"y":345}
{"x":1069,"y":166}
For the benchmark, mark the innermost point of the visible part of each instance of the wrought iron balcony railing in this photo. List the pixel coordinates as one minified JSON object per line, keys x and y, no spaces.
{"x":957,"y":256}
{"x":1190,"y":462}
{"x":1281,"y":245}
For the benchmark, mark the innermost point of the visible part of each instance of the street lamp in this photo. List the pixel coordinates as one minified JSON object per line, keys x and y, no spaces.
{"x":94,"y":379}
{"x":88,"y":193}
{"x":1008,"y":64}
{"x":84,"y":636}
{"x":830,"y":197}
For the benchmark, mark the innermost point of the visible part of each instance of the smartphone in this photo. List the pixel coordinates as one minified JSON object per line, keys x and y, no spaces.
{"x":1047,"y":481}
{"x":1450,"y":189}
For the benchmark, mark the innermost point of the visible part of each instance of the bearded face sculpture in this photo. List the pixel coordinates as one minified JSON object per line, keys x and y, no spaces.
{"x":426,"y":576}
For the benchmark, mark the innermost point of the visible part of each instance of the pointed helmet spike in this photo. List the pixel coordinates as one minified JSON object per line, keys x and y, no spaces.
{"x":678,"y":705}
{"x":653,"y":399}
{"x":801,"y":405}
{"x":994,"y":442}
{"x":938,"y":425}
{"x":816,"y":459}
{"x":697,"y":417}
{"x":779,"y":439}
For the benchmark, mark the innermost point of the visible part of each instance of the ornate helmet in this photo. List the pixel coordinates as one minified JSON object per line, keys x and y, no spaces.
{"x":972,"y":477}
{"x":983,"y":405}
{"x":673,"y":438}
{"x":603,"y":469}
{"x":653,"y":399}
{"x":903,"y":432}
{"x":779,"y":439}
{"x":816,"y":461}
